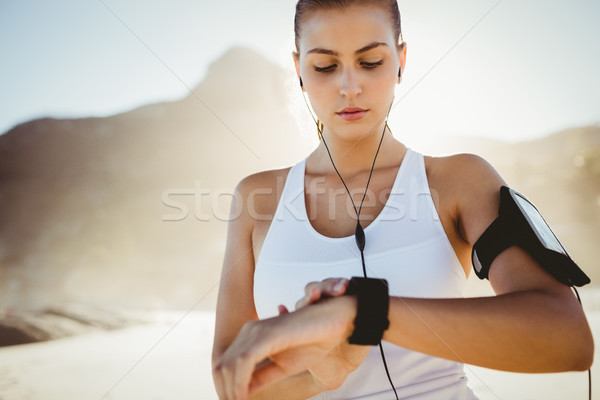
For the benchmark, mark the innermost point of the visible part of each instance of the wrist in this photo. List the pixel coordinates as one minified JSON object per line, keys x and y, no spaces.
{"x":317,"y":385}
{"x":350,"y":309}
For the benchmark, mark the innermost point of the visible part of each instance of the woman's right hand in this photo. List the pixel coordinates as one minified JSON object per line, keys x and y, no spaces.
{"x":270,"y":350}
{"x":316,"y":291}
{"x":343,"y":359}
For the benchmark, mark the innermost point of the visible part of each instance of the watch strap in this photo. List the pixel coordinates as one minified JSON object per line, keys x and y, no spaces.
{"x":372,"y":310}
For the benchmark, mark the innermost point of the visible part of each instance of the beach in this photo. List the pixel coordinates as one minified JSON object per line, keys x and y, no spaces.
{"x":169,"y":358}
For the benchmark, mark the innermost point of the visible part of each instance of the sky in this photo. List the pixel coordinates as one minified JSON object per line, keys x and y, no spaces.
{"x":504,"y":69}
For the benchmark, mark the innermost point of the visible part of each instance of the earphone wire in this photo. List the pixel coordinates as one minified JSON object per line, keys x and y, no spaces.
{"x":333,"y":163}
{"x":358,"y":226}
{"x":589,"y":372}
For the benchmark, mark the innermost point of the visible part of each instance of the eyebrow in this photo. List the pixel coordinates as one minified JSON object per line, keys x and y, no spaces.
{"x":368,"y":47}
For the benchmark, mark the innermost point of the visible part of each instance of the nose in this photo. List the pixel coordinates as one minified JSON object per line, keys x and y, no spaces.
{"x":350,"y":85}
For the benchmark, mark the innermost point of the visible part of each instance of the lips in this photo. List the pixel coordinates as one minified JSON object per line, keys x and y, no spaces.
{"x":352,"y":113}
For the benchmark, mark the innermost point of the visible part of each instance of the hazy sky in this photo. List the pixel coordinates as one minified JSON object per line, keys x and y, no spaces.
{"x":528,"y":68}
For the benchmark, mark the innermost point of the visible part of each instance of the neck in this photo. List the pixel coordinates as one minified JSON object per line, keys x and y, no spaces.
{"x":353,"y":157}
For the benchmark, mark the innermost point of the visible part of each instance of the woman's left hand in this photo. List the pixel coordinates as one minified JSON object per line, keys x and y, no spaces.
{"x":292,"y":343}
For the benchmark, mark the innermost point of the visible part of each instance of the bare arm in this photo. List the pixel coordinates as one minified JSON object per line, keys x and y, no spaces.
{"x":536,"y":328}
{"x":533,"y":324}
{"x":235,"y":305}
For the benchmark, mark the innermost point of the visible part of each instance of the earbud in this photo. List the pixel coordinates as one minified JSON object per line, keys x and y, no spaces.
{"x":399,"y":73}
{"x":301,"y":83}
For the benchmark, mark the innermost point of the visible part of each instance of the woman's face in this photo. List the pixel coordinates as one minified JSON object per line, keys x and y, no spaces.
{"x":349,"y":61}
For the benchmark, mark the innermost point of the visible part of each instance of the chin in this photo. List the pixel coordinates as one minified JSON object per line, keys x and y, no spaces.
{"x":354,"y":131}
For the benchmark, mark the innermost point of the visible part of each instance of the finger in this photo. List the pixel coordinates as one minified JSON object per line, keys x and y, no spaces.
{"x":242,"y":376}
{"x":330,"y":287}
{"x":245,"y":364}
{"x":306,"y":299}
{"x":282,"y":309}
{"x":309,"y":286}
{"x":224,"y":386}
{"x":319,"y":285}
{"x":230,"y":382}
{"x":299,"y":304}
{"x":252,"y":352}
{"x":271,"y":372}
{"x":335,"y":287}
{"x":314,"y":296}
{"x":233,"y":363}
{"x":265,"y":376}
{"x":218,"y":379}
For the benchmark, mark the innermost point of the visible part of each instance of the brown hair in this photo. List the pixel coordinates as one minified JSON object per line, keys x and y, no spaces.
{"x":305,"y":7}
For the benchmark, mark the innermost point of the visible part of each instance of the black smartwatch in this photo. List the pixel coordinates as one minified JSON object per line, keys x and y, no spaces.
{"x":373,"y":302}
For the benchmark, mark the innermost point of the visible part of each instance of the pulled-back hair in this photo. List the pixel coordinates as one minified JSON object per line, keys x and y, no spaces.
{"x":306,"y":7}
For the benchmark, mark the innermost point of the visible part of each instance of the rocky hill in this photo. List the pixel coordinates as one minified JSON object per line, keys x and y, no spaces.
{"x":92,"y":209}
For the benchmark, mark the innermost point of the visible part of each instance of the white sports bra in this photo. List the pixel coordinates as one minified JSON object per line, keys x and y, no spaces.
{"x":406,"y":244}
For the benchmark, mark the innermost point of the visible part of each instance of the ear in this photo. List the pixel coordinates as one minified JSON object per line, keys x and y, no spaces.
{"x":402,"y":58}
{"x":296,"y":58}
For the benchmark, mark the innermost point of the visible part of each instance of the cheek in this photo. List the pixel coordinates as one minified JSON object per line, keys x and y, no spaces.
{"x":321,"y":82}
{"x":385,"y":76}
{"x":320,"y":93}
{"x":386,"y":82}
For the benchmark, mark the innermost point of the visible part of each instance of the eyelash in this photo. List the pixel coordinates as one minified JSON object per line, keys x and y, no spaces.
{"x":372,"y":65}
{"x":367,"y":65}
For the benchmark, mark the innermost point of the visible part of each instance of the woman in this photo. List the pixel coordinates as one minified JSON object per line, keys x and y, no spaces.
{"x":421,"y":217}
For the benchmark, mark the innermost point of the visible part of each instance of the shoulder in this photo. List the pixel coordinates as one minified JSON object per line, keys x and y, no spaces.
{"x":263,"y":183}
{"x":462,"y":169}
{"x":258,"y":193}
{"x":472,"y":185}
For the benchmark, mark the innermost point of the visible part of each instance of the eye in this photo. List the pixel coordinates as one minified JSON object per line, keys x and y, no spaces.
{"x":371,"y":65}
{"x":329,"y":68}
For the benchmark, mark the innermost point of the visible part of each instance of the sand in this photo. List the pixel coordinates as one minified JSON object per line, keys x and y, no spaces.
{"x":161,"y":360}
{"x":170,"y":359}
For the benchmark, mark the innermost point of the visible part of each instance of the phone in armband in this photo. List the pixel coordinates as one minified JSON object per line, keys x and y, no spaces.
{"x":520,"y":223}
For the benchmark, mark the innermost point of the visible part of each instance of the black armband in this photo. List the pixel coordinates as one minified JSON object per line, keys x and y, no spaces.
{"x":520,"y":223}
{"x":373,"y":302}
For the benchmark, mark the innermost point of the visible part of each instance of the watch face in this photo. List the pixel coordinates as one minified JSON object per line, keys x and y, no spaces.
{"x":537,"y":223}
